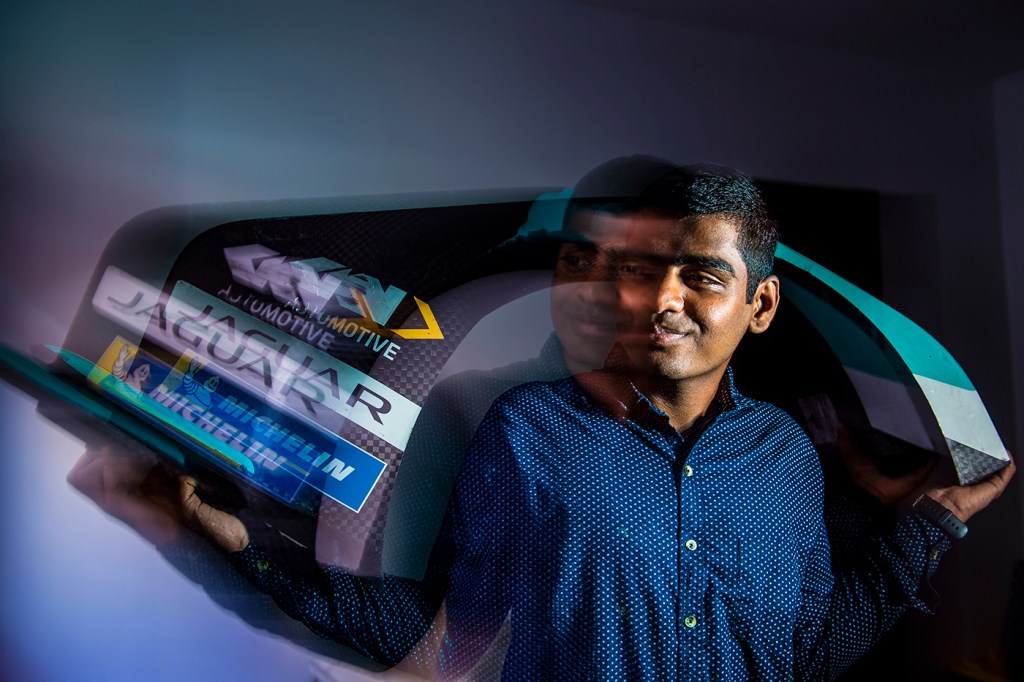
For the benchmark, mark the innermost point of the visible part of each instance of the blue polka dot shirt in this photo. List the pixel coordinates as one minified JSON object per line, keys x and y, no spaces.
{"x":618,"y":548}
{"x":624,"y":549}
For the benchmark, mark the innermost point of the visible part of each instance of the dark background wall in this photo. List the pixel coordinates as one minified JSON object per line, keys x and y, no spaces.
{"x":113,"y":108}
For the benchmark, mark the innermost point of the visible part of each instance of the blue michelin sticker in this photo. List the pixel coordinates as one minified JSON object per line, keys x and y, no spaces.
{"x":274,"y":451}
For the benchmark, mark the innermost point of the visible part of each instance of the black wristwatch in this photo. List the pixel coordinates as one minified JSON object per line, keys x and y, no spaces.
{"x":947,"y":520}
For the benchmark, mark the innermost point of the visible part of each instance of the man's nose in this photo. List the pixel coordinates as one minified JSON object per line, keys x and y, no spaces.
{"x":670,"y":294}
{"x":600,"y":291}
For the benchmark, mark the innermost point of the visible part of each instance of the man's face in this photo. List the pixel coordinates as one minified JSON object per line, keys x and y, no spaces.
{"x":682,"y":306}
{"x":583,"y":295}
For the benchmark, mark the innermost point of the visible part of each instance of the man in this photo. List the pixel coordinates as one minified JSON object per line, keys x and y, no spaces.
{"x":646,"y":520}
{"x":582,"y":311}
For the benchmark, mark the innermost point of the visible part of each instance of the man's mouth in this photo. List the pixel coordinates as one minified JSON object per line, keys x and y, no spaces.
{"x":666,"y":335}
{"x":597,"y":320}
{"x":657,"y":334}
{"x":592,"y":325}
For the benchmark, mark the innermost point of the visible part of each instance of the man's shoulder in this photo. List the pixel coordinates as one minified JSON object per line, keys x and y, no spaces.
{"x":766,"y":438}
{"x":764,"y":420}
{"x":540,"y":394}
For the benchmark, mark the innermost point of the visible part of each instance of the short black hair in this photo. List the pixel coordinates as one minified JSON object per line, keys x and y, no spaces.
{"x":640,"y":183}
{"x":616,"y":186}
{"x":711,"y":189}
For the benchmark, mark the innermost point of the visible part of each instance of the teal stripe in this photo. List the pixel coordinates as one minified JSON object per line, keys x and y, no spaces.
{"x":923,"y":355}
{"x":851,"y":344}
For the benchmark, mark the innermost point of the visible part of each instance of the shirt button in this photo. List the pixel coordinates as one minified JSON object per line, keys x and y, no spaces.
{"x":262,"y":564}
{"x":690,"y":622}
{"x":688,"y":470}
{"x":691,"y":545}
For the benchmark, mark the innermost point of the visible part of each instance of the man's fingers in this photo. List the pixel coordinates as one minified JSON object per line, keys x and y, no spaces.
{"x":995,"y":484}
{"x":113,"y":481}
{"x":190,"y":502}
{"x":101,"y":475}
{"x":117,"y":484}
{"x":1002,"y":478}
{"x":1007,"y":473}
{"x":187,"y":487}
{"x":87,"y":472}
{"x":966,"y":501}
{"x":86,"y":475}
{"x":223,"y":528}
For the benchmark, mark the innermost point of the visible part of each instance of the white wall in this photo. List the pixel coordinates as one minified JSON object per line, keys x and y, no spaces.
{"x":113,"y":108}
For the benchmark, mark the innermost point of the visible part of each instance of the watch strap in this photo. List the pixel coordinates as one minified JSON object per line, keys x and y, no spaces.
{"x":950,"y":524}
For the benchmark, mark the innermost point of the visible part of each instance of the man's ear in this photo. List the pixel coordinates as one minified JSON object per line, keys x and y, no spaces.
{"x":766,"y":302}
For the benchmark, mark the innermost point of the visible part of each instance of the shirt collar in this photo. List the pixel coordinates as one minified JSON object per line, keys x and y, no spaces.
{"x":612,"y":389}
{"x":552,"y":358}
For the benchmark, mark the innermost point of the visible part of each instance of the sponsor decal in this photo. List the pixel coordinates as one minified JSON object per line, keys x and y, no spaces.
{"x":280,"y":454}
{"x":321,"y":287}
{"x":291,"y":375}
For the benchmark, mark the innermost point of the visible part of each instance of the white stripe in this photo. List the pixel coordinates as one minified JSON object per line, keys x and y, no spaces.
{"x":962,"y":417}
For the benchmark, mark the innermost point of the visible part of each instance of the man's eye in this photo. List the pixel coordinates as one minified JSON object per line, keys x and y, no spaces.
{"x":577,"y":263}
{"x":701,"y":279}
{"x":632,"y":271}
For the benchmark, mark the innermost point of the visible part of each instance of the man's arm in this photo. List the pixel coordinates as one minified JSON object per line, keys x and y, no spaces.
{"x":487,"y":517}
{"x":966,"y":501}
{"x":382,"y":618}
{"x":844,"y":614}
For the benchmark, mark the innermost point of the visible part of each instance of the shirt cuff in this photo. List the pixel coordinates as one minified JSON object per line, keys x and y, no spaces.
{"x":256,"y":565}
{"x":193,"y":556}
{"x":922,"y":544}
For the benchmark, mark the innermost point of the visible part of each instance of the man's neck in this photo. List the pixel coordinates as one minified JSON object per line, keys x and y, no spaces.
{"x":684,"y":401}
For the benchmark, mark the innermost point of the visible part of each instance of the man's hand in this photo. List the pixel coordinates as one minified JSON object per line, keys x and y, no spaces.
{"x":128,"y":488}
{"x":223,"y":528}
{"x":154,"y":501}
{"x":966,"y":501}
{"x":963,"y":501}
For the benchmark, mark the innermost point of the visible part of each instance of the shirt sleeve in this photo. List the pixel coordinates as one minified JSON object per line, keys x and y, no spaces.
{"x":844,"y":612}
{"x":486,"y":517}
{"x":211,"y":569}
{"x":380,"y":617}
